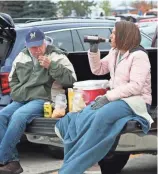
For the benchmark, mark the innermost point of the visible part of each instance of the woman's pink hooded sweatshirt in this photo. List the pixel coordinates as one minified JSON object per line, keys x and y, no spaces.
{"x":129,"y":77}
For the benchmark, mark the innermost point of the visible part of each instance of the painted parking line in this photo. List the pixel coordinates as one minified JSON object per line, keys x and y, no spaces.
{"x":93,"y":170}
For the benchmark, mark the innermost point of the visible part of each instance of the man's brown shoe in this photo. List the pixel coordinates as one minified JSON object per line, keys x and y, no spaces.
{"x":13,"y":167}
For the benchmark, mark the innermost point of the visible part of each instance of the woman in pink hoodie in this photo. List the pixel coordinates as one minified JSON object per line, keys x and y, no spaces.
{"x":129,"y":68}
{"x":127,"y":62}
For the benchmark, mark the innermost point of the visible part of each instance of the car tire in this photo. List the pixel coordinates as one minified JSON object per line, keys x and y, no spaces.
{"x":114,"y":163}
{"x":56,"y":152}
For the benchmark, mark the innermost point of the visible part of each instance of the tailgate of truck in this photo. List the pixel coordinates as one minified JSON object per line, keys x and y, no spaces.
{"x":45,"y":126}
{"x":42,"y":126}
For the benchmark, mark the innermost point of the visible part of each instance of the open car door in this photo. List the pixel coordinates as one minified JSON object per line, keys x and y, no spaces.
{"x":7,"y":35}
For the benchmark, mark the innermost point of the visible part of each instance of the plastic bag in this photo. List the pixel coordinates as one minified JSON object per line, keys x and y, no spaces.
{"x":60,"y":106}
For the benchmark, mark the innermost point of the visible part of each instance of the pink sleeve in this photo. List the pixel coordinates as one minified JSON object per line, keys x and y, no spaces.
{"x":98,"y":66}
{"x":139,"y":70}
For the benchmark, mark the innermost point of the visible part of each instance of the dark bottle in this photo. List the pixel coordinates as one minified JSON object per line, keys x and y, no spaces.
{"x":95,"y":39}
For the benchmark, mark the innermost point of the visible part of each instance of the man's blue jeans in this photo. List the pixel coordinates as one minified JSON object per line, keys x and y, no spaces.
{"x":13,"y":121}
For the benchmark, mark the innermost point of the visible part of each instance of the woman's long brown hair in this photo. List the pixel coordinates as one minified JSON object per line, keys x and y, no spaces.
{"x":127,"y":35}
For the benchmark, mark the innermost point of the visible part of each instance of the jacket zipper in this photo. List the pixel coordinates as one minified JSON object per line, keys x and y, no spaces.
{"x":116,"y":63}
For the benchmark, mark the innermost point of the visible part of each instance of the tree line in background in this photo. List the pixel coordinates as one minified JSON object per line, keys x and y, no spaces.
{"x":20,"y":9}
{"x":36,"y":9}
{"x":45,"y":9}
{"x":143,"y":5}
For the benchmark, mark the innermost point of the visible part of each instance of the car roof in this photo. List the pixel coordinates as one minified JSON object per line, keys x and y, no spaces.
{"x":148,"y":20}
{"x":68,"y":23}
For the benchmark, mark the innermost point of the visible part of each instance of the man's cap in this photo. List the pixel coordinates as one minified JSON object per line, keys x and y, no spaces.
{"x":34,"y":38}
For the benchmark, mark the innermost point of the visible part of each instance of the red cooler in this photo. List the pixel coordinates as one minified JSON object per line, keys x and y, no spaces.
{"x":91,"y":89}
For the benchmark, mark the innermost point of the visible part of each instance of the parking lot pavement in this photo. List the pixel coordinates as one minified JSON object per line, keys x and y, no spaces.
{"x":36,"y":159}
{"x":136,"y":163}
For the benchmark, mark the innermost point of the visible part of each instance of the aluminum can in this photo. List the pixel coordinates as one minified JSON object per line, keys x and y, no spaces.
{"x":47,"y":110}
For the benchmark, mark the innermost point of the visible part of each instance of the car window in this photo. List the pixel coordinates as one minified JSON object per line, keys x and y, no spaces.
{"x":4,"y":47}
{"x":104,"y":32}
{"x":145,"y":42}
{"x":62,"y":39}
{"x":76,"y":41}
{"x":149,"y":30}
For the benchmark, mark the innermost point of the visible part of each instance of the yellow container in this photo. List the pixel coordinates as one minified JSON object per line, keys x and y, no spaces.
{"x":70,"y":98}
{"x":47,"y":110}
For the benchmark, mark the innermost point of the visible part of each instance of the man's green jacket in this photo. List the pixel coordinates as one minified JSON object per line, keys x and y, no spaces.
{"x":29,"y":81}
